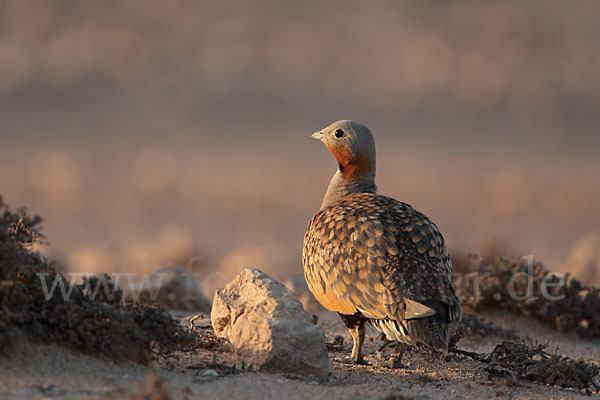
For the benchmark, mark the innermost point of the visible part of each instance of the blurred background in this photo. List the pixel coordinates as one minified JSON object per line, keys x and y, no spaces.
{"x":148,"y":133}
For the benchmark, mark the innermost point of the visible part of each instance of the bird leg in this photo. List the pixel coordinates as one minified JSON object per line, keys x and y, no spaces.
{"x":358,"y":334}
{"x":386,"y":342}
{"x":356,"y":326}
{"x":395,"y":360}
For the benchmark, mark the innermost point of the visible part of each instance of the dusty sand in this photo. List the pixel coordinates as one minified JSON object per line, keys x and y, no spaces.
{"x":48,"y":371}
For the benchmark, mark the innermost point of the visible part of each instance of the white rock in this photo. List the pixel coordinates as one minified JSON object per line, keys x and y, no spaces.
{"x":268,"y":327}
{"x":172,"y":287}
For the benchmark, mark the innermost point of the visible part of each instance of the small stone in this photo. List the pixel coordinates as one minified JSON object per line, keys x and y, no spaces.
{"x":210,"y":372}
{"x":268,"y":327}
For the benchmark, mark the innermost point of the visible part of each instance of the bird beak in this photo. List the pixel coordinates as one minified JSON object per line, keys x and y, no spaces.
{"x":317,"y":135}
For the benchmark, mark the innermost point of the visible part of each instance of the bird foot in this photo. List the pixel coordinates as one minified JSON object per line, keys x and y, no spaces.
{"x":394,"y":363}
{"x":355,"y":362}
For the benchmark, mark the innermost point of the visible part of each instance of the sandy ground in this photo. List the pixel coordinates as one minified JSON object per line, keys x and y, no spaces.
{"x":30,"y":371}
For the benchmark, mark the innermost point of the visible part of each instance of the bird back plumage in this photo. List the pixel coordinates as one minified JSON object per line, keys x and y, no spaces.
{"x":376,"y":257}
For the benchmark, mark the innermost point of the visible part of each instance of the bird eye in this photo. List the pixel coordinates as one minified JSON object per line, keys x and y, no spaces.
{"x":338,"y":133}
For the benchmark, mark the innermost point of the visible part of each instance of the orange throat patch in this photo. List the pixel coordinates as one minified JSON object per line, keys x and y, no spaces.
{"x":352,"y":166}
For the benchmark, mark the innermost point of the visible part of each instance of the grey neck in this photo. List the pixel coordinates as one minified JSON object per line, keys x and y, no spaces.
{"x":339,"y":187}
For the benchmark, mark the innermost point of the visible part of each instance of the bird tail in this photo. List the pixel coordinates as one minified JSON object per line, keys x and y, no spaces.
{"x":429,"y":330}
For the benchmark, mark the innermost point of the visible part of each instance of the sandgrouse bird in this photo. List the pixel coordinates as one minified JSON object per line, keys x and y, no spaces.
{"x":376,"y":260}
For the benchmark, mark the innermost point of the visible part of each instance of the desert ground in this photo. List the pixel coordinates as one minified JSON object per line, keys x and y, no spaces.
{"x":43,"y":371}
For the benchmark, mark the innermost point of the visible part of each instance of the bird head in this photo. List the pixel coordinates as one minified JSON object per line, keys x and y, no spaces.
{"x":353,"y":147}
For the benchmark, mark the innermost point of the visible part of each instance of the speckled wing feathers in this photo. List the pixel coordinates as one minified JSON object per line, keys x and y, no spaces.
{"x":367,"y":253}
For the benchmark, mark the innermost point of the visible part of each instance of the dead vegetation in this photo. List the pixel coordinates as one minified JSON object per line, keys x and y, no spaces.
{"x":522,"y":361}
{"x":91,"y":318}
{"x":531,"y":290}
